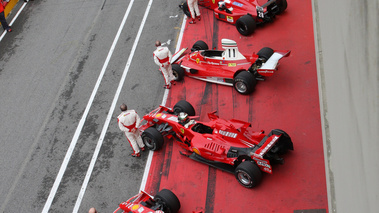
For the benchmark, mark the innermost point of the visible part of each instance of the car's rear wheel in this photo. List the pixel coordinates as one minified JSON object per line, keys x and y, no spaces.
{"x":169,"y":200}
{"x":184,"y":106}
{"x":244,"y":82}
{"x":284,"y":144}
{"x":178,"y":72}
{"x":199,"y":45}
{"x":152,"y":139}
{"x":248,"y":174}
{"x":265,"y":53}
{"x":282,"y":6}
{"x":185,"y":9}
{"x":246,"y":25}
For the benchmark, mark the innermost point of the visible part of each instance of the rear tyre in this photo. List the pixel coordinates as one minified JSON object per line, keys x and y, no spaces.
{"x":284,"y":144}
{"x":248,"y":174}
{"x":184,"y":106}
{"x":282,"y":6}
{"x":246,"y":25}
{"x":199,"y":45}
{"x":265,"y":53}
{"x":178,"y":72}
{"x":185,"y":9}
{"x":169,"y":200}
{"x":244,"y":82}
{"x":152,"y":139}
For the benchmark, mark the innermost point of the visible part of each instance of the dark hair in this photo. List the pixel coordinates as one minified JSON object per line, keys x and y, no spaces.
{"x":123,"y":107}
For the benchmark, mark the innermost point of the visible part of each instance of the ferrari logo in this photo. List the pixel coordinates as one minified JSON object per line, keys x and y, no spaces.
{"x":158,"y":115}
{"x":198,"y":60}
{"x":213,"y":1}
{"x":232,"y":64}
{"x":135,"y":207}
{"x":182,"y":130}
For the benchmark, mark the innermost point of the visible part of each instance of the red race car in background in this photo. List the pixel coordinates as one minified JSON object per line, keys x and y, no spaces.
{"x":227,"y":67}
{"x":244,"y":14}
{"x":230,"y":145}
{"x":165,"y":201}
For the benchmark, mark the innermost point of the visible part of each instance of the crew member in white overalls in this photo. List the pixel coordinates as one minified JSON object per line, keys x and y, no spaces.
{"x":162,"y":57}
{"x":128,"y":122}
{"x":193,"y":7}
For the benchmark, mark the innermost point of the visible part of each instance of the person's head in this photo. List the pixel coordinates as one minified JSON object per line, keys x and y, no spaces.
{"x":92,"y":210}
{"x":157,"y":43}
{"x":123,"y":107}
{"x":183,"y":118}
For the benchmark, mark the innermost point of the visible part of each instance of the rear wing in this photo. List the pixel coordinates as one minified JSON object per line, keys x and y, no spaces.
{"x":271,"y":64}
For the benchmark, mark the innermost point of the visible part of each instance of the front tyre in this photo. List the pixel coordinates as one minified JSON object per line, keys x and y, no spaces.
{"x":169,"y":200}
{"x":244,"y":82}
{"x":199,"y":45}
{"x":178,"y":72}
{"x":152,"y":139}
{"x":184,"y":106}
{"x":246,"y":25}
{"x":248,"y":174}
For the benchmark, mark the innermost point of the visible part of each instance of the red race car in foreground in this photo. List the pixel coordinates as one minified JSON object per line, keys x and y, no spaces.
{"x":165,"y":201}
{"x":227,"y":67}
{"x":244,"y":14}
{"x":229,"y":145}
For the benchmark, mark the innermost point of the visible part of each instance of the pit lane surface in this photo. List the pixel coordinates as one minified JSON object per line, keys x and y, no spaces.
{"x":288,"y":100}
{"x":49,"y":66}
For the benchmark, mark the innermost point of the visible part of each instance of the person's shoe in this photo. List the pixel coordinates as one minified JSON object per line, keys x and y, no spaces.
{"x":173,"y":82}
{"x":143,"y":149}
{"x":199,"y":18}
{"x":167,"y":86}
{"x":136,"y":155}
{"x":9,"y":29}
{"x":192,"y":21}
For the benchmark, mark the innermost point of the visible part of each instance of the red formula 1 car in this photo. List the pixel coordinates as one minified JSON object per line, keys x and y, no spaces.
{"x":165,"y":201}
{"x":229,"y":145}
{"x":228,"y":67}
{"x":244,"y":14}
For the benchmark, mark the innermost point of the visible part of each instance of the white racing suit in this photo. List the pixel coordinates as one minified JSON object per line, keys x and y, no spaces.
{"x":128,"y":122}
{"x":193,"y":7}
{"x":162,"y":57}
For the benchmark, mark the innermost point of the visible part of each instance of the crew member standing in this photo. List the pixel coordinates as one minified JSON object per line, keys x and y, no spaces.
{"x":3,"y":21}
{"x":193,"y":7}
{"x":162,"y":57}
{"x":128,"y":122}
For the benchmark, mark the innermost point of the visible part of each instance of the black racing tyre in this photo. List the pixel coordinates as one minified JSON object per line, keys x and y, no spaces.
{"x":248,"y":174}
{"x":185,"y":9}
{"x":152,"y":139}
{"x":265,"y":53}
{"x":244,"y":82}
{"x":200,"y":45}
{"x":170,"y":201}
{"x":282,"y":6}
{"x":284,"y":144}
{"x":184,"y":106}
{"x":178,"y":72}
{"x":246,"y":25}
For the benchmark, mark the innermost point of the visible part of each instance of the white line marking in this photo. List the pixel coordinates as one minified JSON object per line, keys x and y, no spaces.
{"x":82,"y":120}
{"x":110,"y":113}
{"x":13,"y":20}
{"x":150,"y":157}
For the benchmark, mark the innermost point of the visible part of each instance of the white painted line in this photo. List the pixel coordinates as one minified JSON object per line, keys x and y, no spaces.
{"x":150,"y":157}
{"x":13,"y":20}
{"x":82,"y":120}
{"x":110,"y":113}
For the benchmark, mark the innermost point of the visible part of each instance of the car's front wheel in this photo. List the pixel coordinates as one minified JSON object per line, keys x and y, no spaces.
{"x":169,"y":200}
{"x":248,"y":174}
{"x":246,"y":25}
{"x":178,"y":72}
{"x":152,"y":139}
{"x":199,"y":45}
{"x":184,"y":106}
{"x":244,"y":82}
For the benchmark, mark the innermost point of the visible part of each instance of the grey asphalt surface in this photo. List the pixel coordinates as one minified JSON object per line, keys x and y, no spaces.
{"x":49,"y":66}
{"x":347,"y":49}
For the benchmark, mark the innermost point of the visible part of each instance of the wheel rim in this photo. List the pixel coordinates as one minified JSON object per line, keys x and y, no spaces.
{"x":175,"y":74}
{"x":244,"y":178}
{"x":149,"y":142}
{"x":241,"y":87}
{"x":242,"y":28}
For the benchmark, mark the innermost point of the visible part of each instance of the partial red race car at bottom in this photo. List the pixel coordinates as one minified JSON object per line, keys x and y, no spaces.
{"x":165,"y":201}
{"x":230,"y":145}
